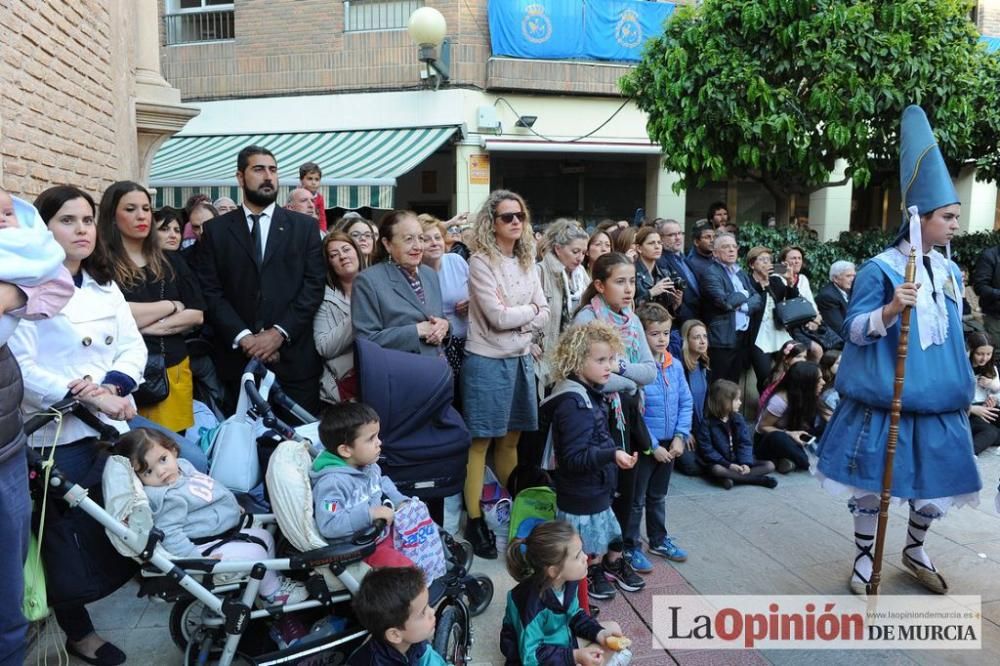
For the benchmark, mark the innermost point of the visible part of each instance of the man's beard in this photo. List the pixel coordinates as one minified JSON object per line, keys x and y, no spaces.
{"x":258,"y":198}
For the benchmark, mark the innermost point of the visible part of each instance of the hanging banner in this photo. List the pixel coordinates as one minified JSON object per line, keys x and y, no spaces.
{"x":575,"y":29}
{"x":618,"y":29}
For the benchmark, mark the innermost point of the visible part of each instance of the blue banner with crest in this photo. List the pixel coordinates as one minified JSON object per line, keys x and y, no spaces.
{"x":575,"y":29}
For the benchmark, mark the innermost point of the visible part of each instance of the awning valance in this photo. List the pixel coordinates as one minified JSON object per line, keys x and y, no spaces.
{"x":360,"y":167}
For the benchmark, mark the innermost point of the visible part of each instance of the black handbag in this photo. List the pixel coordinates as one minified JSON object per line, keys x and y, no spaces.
{"x":155,"y":386}
{"x":793,"y":312}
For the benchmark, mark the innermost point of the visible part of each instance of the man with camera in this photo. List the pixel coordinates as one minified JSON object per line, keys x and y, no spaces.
{"x":673,"y":264}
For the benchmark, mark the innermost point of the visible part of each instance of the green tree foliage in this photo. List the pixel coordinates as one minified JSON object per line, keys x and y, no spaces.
{"x":778,"y":90}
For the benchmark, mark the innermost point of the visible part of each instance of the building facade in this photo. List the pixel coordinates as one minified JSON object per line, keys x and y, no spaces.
{"x":83,"y":100}
{"x":339,"y":82}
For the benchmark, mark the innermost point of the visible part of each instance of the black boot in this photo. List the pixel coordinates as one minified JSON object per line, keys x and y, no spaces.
{"x":484,"y":543}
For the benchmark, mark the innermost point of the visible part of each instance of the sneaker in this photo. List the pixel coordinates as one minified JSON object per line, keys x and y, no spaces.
{"x":622,"y":574}
{"x":726,"y":483}
{"x":598,"y":586}
{"x":669,"y":550}
{"x":290,"y":592}
{"x":638,"y":560}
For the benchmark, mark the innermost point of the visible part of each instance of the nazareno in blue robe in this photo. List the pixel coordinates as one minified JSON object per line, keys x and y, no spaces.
{"x":934,"y":455}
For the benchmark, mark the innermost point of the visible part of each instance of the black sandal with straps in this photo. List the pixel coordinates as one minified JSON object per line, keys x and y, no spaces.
{"x":927,"y":576}
{"x":861,"y":587}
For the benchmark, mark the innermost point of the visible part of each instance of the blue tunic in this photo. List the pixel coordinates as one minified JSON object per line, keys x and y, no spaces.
{"x":934,"y":455}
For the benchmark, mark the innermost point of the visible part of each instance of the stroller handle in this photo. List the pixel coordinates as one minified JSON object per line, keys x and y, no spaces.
{"x":261,"y":406}
{"x":61,"y":409}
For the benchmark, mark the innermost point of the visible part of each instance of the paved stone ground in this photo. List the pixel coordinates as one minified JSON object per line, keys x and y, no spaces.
{"x":791,"y":540}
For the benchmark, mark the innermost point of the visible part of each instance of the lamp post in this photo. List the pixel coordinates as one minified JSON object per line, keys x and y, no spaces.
{"x":427,"y":28}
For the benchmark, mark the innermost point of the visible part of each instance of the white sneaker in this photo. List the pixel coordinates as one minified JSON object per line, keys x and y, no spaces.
{"x":289,"y":592}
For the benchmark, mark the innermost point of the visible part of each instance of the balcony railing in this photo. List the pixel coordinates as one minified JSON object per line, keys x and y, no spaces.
{"x":369,"y":15}
{"x":192,"y":27}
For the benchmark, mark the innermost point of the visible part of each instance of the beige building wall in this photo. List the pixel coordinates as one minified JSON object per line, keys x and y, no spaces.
{"x":988,"y":17}
{"x":65,"y":73}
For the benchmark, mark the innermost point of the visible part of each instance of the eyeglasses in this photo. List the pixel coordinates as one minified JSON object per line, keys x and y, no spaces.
{"x":455,"y":229}
{"x":508,"y":218}
{"x":362,"y":235}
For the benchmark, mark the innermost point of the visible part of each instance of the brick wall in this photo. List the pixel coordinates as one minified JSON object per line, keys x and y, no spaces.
{"x":285,"y":47}
{"x":65,"y":79}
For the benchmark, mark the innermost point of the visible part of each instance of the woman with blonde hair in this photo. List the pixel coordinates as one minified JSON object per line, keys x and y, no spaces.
{"x":564,"y":279}
{"x":506,"y":308}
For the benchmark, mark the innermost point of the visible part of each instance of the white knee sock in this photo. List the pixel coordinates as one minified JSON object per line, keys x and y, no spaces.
{"x":916,"y":532}
{"x":865,"y":512}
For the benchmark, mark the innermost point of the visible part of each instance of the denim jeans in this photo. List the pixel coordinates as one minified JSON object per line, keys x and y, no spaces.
{"x":190,"y":451}
{"x":15,"y":526}
{"x":652,"y":479}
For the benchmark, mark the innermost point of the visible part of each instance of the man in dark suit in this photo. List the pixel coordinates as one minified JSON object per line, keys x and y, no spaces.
{"x":831,"y":301}
{"x":262,"y":275}
{"x":673,"y":264}
{"x":728,"y":303}
{"x":702,"y":254}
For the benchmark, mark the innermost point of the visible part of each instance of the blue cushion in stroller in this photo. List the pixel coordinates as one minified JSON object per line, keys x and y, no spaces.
{"x":425,"y":442}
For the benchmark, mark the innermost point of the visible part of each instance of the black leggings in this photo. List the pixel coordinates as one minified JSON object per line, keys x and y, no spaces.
{"x":758,"y":470}
{"x":984,"y":434}
{"x":778,"y":444}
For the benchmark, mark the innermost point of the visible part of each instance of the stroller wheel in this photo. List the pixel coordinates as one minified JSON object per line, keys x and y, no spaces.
{"x":451,"y":637}
{"x":186,"y":625}
{"x":478,"y":594}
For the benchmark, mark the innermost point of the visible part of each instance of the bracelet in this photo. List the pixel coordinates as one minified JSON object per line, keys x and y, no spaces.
{"x":174,"y":304}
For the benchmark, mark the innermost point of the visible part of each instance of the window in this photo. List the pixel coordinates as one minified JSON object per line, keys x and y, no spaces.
{"x":368,"y":15}
{"x":189,"y":21}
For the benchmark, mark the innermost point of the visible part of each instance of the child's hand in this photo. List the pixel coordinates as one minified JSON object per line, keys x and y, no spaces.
{"x":383,"y":512}
{"x":624,"y":460}
{"x":588,"y":656}
{"x":744,"y":469}
{"x":604,"y":634}
{"x":736,"y":468}
{"x":676,"y":448}
{"x":661,"y":454}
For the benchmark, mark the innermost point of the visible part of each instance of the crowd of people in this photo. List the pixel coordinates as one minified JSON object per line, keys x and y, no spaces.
{"x":631,"y":354}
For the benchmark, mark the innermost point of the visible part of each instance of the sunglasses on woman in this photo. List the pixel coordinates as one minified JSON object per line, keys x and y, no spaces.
{"x":508,"y":218}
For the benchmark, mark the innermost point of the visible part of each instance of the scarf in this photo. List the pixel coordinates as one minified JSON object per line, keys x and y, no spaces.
{"x":622,"y":322}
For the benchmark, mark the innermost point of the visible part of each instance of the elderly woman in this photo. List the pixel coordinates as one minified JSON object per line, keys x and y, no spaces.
{"x":396,"y":303}
{"x":93,"y":350}
{"x":564,"y":279}
{"x":453,"y":273}
{"x":332,"y":329}
{"x":506,"y":308}
{"x":163,"y":295}
{"x":768,"y":336}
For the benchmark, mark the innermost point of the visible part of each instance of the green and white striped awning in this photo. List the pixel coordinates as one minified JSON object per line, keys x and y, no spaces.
{"x":360,"y":167}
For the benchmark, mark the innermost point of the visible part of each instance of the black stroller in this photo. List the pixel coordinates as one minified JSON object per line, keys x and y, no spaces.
{"x":215,"y":617}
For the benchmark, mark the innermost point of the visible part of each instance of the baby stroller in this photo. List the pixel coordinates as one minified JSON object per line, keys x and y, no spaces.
{"x":214,"y":615}
{"x":424,"y":439}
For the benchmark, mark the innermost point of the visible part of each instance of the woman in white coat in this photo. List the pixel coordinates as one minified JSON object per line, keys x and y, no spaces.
{"x":92,"y":350}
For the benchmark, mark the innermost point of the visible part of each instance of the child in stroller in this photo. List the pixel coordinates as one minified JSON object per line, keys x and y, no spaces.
{"x":198,"y":516}
{"x":348,"y":486}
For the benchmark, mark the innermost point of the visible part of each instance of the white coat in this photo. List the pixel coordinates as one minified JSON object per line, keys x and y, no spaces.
{"x":94,"y":334}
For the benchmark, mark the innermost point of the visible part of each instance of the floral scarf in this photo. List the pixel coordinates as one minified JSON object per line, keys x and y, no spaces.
{"x":622,"y":322}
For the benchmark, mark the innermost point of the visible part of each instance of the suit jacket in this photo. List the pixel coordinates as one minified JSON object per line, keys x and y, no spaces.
{"x":720,"y":302}
{"x":832,"y":306}
{"x":670,"y":264}
{"x":385,"y":310}
{"x":286,"y":289}
{"x":986,"y":281}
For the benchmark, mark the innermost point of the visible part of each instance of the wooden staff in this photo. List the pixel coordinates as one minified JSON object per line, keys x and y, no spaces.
{"x":890,"y":450}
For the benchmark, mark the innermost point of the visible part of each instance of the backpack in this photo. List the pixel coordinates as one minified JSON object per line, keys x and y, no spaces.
{"x":530,"y":507}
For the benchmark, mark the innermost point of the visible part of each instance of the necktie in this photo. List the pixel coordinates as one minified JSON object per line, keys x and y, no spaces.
{"x":255,"y":237}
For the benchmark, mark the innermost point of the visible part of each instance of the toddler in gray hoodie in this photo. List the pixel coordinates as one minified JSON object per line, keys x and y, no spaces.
{"x":188,"y":506}
{"x":349,"y":491}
